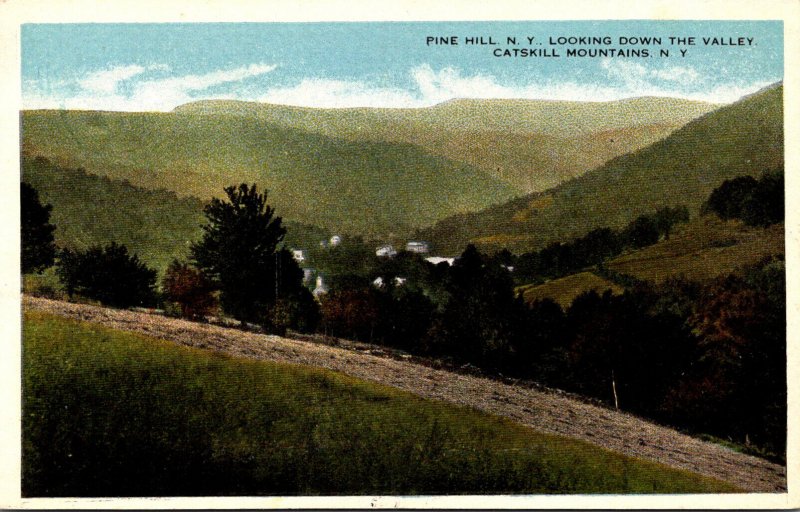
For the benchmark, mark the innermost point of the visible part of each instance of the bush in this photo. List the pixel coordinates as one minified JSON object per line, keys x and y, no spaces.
{"x":107,"y":274}
{"x":299,"y":312}
{"x":756,"y":202}
{"x":189,"y":288}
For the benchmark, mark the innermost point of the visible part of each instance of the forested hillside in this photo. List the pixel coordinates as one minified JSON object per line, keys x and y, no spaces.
{"x":745,"y":138}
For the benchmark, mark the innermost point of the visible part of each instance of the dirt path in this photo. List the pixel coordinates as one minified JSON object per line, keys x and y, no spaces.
{"x":544,"y":411}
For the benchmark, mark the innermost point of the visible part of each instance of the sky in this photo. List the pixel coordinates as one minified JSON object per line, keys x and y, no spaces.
{"x":156,"y":67}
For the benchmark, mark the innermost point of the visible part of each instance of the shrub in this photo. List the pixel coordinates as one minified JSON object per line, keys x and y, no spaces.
{"x":107,"y":274}
{"x":190,"y":289}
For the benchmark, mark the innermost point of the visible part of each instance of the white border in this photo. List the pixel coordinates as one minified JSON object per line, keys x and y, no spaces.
{"x":15,"y":12}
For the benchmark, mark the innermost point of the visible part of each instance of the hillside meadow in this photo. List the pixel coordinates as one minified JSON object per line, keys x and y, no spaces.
{"x":108,"y":413}
{"x":700,"y":250}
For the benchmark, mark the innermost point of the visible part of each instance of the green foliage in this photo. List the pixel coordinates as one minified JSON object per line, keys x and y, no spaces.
{"x":238,"y":251}
{"x":701,"y":250}
{"x":107,"y":413}
{"x":107,"y":274}
{"x":294,"y":306}
{"x":737,"y":389}
{"x":38,"y":242}
{"x":481,"y":317}
{"x":560,"y":259}
{"x":89,"y":210}
{"x":157,"y":225}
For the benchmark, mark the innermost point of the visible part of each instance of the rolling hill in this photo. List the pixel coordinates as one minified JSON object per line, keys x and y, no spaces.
{"x":376,"y":172}
{"x":362,"y":187}
{"x":744,"y":138}
{"x":702,"y":249}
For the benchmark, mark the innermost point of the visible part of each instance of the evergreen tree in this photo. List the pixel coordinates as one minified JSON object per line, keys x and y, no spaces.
{"x":238,"y":251}
{"x":38,"y":242}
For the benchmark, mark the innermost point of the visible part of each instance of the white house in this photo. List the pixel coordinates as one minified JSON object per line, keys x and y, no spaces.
{"x":398,"y":281}
{"x":308,"y":275}
{"x":335,"y":240}
{"x":438,"y":259}
{"x":385,"y":251}
{"x":417,"y":247}
{"x":321,"y":288}
{"x":299,"y":255}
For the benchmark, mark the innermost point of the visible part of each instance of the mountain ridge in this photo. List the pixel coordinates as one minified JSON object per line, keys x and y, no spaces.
{"x":745,"y":137}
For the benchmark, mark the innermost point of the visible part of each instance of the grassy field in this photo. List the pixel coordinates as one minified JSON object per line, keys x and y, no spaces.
{"x":745,"y":138}
{"x":702,"y":249}
{"x":107,"y":413}
{"x":565,"y":289}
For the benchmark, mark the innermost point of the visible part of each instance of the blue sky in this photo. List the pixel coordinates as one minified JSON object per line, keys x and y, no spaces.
{"x":160,"y":66}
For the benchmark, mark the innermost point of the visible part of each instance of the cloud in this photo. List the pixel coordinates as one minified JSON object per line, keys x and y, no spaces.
{"x":142,"y":91}
{"x":106,"y":81}
{"x":99,"y":90}
{"x":635,"y":74}
{"x":321,"y":93}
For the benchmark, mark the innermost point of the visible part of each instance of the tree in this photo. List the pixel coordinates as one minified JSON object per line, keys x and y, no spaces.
{"x":478,"y":324}
{"x":765,"y":206}
{"x":190,"y":289}
{"x":294,"y":306}
{"x":38,"y":242}
{"x":756,"y":202}
{"x":641,"y":232}
{"x":238,"y":251}
{"x":665,"y":218}
{"x":107,"y":274}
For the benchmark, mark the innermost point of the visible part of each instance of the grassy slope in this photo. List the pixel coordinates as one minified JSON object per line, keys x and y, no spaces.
{"x":703,"y":249}
{"x":155,"y":224}
{"x":532,"y":145}
{"x":743,"y":138}
{"x":565,"y":289}
{"x":351,"y":186}
{"x":113,"y":413}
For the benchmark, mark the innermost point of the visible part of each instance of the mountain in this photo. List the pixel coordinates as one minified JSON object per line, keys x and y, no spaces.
{"x":532,"y":145}
{"x":363,"y":187}
{"x":744,"y":138}
{"x":376,"y":172}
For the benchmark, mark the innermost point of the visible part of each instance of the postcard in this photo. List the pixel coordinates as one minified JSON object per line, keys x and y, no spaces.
{"x":309,"y":255}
